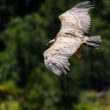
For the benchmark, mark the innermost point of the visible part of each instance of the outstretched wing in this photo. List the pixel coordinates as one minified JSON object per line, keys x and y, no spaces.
{"x":56,"y":58}
{"x":77,"y":17}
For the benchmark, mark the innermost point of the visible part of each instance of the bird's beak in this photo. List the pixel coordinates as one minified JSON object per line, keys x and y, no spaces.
{"x":50,"y":42}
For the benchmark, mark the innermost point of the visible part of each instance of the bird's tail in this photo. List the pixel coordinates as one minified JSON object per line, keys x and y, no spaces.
{"x":94,"y":41}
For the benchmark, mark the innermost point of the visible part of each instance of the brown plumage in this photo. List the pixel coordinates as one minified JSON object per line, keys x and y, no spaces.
{"x":70,"y":39}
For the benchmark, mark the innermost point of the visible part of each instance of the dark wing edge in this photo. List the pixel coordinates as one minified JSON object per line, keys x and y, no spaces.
{"x":59,"y":63}
{"x":81,"y":12}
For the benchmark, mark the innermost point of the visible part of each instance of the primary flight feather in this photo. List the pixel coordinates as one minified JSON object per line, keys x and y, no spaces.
{"x":70,"y":39}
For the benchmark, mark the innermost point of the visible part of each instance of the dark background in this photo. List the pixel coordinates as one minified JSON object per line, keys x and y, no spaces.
{"x":25,"y":82}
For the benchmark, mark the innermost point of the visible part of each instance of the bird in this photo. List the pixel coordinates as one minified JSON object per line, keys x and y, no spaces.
{"x":71,"y":38}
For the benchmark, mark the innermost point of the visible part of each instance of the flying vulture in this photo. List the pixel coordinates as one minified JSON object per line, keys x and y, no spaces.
{"x":71,"y":38}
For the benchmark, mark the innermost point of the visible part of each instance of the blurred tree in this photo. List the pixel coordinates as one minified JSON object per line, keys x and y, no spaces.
{"x":23,"y":35}
{"x":24,"y":46}
{"x":12,"y":8}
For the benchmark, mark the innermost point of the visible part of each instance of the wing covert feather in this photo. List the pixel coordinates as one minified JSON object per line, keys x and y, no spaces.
{"x":78,"y":17}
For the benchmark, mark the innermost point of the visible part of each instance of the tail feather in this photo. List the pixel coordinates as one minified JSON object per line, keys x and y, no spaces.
{"x":94,"y":41}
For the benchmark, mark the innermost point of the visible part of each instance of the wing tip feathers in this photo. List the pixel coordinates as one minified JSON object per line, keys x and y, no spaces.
{"x":86,"y":4}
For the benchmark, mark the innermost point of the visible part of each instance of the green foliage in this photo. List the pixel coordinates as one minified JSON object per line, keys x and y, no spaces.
{"x":10,"y":105}
{"x":25,"y":83}
{"x":23,"y":39}
{"x":91,"y":100}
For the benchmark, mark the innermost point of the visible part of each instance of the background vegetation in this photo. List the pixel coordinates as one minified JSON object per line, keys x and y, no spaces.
{"x":25,"y":83}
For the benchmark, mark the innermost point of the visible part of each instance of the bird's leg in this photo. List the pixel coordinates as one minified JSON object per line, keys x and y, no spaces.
{"x":79,"y":54}
{"x":50,"y":42}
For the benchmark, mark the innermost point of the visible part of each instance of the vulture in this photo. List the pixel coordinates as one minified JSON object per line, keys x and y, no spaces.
{"x":71,"y":38}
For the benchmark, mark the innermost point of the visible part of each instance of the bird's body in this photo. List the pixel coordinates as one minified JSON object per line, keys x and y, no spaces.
{"x":70,"y":39}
